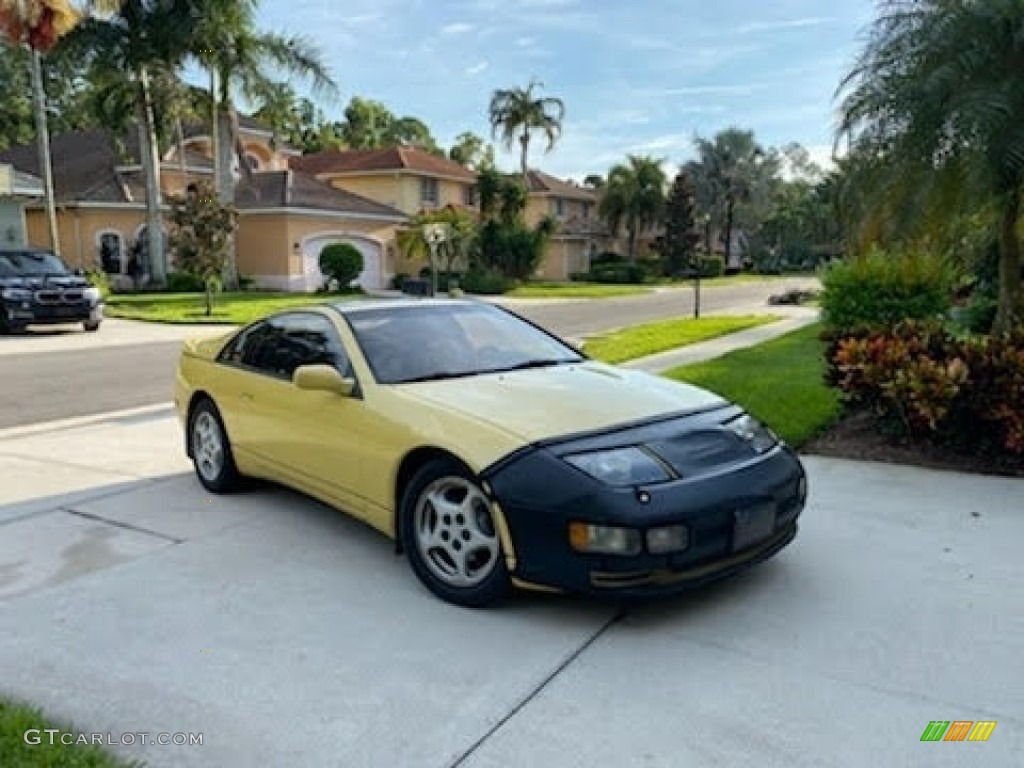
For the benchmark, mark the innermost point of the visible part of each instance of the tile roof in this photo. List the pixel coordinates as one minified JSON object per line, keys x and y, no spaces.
{"x":85,"y":170}
{"x":411,"y":159}
{"x":295,"y":189}
{"x":545,"y":184}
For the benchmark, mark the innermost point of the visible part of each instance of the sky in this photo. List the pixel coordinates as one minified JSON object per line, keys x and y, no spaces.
{"x":636,"y":76}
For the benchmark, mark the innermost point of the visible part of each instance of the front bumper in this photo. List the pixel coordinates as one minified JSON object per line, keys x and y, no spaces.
{"x":36,"y":313}
{"x":540,"y":496}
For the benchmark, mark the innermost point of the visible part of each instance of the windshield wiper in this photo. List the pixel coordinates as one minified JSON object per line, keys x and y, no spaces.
{"x":438,"y":376}
{"x":537,"y":363}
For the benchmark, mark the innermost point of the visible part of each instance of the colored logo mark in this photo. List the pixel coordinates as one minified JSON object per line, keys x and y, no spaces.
{"x":958,"y":730}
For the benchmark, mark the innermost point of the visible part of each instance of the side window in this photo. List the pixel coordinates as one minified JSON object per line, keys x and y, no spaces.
{"x":293,"y":340}
{"x":235,"y":352}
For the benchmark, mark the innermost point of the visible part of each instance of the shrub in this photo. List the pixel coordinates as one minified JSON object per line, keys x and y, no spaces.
{"x":445,"y":280}
{"x":712,"y":266}
{"x":607,"y":257}
{"x":621,"y":274}
{"x":245,"y":283}
{"x":398,"y":279}
{"x":485,"y":281}
{"x":342,"y":262}
{"x":883,"y":289}
{"x":183,"y":282}
{"x":917,"y":376}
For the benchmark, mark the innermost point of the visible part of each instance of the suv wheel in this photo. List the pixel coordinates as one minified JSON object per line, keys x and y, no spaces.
{"x":91,"y":326}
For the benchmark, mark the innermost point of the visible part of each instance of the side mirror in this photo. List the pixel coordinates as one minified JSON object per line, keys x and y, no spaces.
{"x":322,"y":378}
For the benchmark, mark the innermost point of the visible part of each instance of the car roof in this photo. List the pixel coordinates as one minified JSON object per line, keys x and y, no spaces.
{"x":355,"y":306}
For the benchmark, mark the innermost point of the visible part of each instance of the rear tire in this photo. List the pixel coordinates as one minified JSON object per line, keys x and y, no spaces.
{"x":449,"y":535}
{"x":211,"y":450}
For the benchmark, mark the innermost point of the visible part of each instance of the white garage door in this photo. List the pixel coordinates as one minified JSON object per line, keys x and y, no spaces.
{"x":369,"y":279}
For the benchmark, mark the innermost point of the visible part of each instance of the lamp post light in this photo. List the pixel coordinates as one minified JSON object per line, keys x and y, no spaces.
{"x":700,"y":264}
{"x":435,"y":234}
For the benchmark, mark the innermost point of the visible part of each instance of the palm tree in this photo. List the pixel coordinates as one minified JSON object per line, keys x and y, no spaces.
{"x":516,"y":113}
{"x":730,"y":169}
{"x":634,"y":196}
{"x":936,"y":98}
{"x":140,"y":42}
{"x":39,"y":24}
{"x":242,"y":60}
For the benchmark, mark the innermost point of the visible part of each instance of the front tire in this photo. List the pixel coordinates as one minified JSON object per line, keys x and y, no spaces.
{"x":449,"y":535}
{"x":91,"y":326}
{"x":211,"y":450}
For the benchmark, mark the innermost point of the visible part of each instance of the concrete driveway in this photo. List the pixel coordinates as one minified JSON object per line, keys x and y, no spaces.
{"x":131,"y":601}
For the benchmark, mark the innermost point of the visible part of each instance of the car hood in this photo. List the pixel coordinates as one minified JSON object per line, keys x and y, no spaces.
{"x":37,"y":282}
{"x":544,"y":403}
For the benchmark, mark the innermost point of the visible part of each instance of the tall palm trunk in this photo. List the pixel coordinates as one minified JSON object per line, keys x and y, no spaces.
{"x":1011,"y":297}
{"x":524,"y":142}
{"x":43,"y":142}
{"x":151,"y":170}
{"x":729,"y":209}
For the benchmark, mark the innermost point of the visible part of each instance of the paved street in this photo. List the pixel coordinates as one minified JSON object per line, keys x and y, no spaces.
{"x":288,"y":635}
{"x":61,"y":374}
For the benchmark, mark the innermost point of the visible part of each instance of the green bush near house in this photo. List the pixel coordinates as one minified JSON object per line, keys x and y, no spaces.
{"x":712,"y":266}
{"x":342,"y":262}
{"x":883,"y":289}
{"x":486,"y":282}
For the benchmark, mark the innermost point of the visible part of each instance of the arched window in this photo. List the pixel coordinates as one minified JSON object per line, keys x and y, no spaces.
{"x":110,"y":252}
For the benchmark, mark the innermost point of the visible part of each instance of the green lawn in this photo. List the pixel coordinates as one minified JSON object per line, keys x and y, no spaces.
{"x":651,"y":338}
{"x":779,"y":382}
{"x":16,"y":719}
{"x":227,"y":307}
{"x":575,"y":291}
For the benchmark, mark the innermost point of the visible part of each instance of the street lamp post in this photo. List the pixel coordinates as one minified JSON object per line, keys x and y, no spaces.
{"x":700,"y":264}
{"x":435,"y":234}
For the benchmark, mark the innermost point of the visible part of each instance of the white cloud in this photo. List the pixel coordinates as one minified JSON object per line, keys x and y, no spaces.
{"x":775,"y":26}
{"x":741,"y":89}
{"x":457,"y":28}
{"x":476,"y":69}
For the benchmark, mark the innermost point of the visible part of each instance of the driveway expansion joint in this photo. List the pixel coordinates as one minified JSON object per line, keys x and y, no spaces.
{"x":619,"y":615}
{"x":120,"y":524}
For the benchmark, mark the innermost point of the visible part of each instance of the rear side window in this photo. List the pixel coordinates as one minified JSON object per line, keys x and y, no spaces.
{"x":281,"y":344}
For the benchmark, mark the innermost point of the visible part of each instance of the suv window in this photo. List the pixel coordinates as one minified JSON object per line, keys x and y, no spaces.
{"x":280,"y":345}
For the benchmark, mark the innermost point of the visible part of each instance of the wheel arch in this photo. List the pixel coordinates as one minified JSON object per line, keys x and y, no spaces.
{"x":197,"y":397}
{"x":411,"y":463}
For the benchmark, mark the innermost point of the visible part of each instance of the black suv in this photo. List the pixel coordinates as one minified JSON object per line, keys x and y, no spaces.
{"x":37,"y":288}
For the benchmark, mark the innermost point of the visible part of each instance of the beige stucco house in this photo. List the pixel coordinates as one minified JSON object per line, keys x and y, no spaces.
{"x":580,"y":235}
{"x":285,"y":215}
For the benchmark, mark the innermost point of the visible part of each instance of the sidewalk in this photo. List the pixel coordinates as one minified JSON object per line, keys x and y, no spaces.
{"x":794,"y":318}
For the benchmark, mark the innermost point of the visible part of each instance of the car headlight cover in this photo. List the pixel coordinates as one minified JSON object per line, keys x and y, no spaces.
{"x":604,"y":539}
{"x":620,"y":466}
{"x":752,"y":431}
{"x":17,"y":294}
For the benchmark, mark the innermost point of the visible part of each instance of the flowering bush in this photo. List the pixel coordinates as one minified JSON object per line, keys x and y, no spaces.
{"x":968,"y":392}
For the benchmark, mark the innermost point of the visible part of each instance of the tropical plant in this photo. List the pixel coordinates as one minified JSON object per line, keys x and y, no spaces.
{"x":454,"y":250}
{"x":39,"y":24}
{"x":733,"y":175}
{"x":935,"y":107}
{"x":515,"y":113}
{"x":634,"y":197}
{"x":201,"y":236}
{"x":245,"y":61}
{"x":132,"y":40}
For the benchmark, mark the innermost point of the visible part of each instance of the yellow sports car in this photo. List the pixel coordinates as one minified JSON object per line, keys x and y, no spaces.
{"x":491,"y":451}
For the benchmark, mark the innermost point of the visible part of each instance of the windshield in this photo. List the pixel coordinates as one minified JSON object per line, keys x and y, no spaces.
{"x":31,"y":264}
{"x":441,"y":341}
